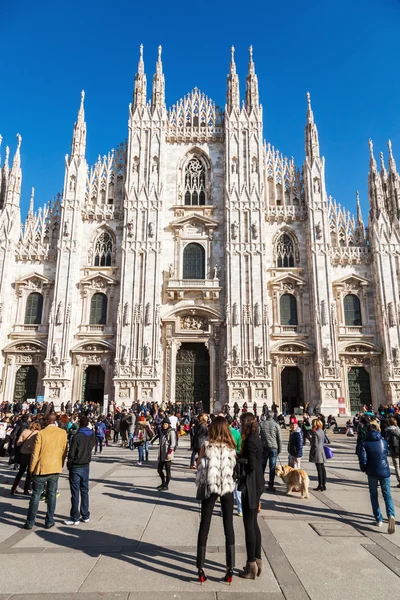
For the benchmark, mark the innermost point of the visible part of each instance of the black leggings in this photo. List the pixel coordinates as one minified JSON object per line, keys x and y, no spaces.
{"x":166,"y":464}
{"x":207,"y":507}
{"x":321,"y":474}
{"x":251,"y":531}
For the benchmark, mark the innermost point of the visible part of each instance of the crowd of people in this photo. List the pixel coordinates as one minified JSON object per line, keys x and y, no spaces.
{"x":230,"y":453}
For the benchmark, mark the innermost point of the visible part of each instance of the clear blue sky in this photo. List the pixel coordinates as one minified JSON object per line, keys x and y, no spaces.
{"x":346,"y":53}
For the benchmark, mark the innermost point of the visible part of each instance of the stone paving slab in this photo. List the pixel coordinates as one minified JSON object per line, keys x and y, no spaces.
{"x":79,"y":596}
{"x":45,"y":574}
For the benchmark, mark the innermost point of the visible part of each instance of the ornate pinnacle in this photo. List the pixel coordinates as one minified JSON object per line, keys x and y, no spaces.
{"x":141,"y":61}
{"x":372,"y":161}
{"x":233,"y":65}
{"x":139,"y":94}
{"x":158,"y":90}
{"x":251,"y":84}
{"x":17,"y":156}
{"x":392,"y":163}
{"x":79,"y":135}
{"x":31,"y":203}
{"x":311,"y":133}
{"x":232,"y":93}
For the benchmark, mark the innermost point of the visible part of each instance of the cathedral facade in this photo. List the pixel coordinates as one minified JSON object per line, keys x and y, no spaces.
{"x":195,"y":262}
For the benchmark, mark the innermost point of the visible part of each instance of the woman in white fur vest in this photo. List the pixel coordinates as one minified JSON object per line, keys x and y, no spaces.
{"x":215,"y":477}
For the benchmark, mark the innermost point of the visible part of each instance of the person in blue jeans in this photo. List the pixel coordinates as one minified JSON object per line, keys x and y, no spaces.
{"x":46,"y":465}
{"x":78,"y":463}
{"x":271,"y":439}
{"x":100,"y":430}
{"x":373,"y":461}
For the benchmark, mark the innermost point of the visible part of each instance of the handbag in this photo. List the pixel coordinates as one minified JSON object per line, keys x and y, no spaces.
{"x":203,"y":489}
{"x":328,"y":452}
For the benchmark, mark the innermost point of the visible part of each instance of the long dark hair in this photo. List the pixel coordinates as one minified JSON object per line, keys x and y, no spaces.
{"x":219,"y":433}
{"x":249,"y":425}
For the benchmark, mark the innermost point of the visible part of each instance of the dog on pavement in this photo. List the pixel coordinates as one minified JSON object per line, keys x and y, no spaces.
{"x":295,"y":479}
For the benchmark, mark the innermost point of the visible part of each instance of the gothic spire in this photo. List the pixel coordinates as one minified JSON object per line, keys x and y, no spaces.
{"x":79,"y":135}
{"x":360,"y":221}
{"x":251,"y":84}
{"x":232,"y":92}
{"x":12,"y":178}
{"x":158,"y":91}
{"x":311,"y":133}
{"x":392,"y":163}
{"x":16,"y":165}
{"x":31,"y":203}
{"x":374,"y":184}
{"x":139,"y":93}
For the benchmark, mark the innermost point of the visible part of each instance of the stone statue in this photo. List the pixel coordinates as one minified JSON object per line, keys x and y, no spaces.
{"x":171,"y":270}
{"x":317,"y":187}
{"x":55,"y":356}
{"x":146,"y":354}
{"x":254,"y":231}
{"x":235,"y":229}
{"x":216,"y":269}
{"x":60,"y":310}
{"x":259,"y":353}
{"x":235,"y":355}
{"x":151,"y":229}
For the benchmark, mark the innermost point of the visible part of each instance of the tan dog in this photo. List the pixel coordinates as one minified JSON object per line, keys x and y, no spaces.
{"x":295,"y":479}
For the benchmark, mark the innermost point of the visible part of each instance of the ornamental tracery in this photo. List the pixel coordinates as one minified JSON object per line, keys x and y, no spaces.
{"x":195,"y":182}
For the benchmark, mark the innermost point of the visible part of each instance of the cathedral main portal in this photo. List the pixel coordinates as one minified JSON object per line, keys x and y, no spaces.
{"x":193,"y":374}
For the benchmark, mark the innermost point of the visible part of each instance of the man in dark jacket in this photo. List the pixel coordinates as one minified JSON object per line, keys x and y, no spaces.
{"x":374,"y":462}
{"x":271,"y":439}
{"x":79,"y":457}
{"x":295,"y":446}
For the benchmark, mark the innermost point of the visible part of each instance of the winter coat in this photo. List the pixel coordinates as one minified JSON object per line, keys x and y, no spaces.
{"x":392,"y":436}
{"x":218,"y":468}
{"x":295,"y":444}
{"x":317,"y":454}
{"x":80,"y":449}
{"x":167,"y":443}
{"x":200,"y":436}
{"x":373,"y":456}
{"x":270,"y":434}
{"x":252,"y":486}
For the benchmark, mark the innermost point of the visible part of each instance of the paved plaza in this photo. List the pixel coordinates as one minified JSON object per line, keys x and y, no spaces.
{"x":142,"y":543}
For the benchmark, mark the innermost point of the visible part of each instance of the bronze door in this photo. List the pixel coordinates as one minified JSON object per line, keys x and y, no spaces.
{"x":193,"y":375}
{"x":25,"y":383}
{"x":359,"y":389}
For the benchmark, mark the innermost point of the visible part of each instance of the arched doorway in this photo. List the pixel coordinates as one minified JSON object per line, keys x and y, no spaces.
{"x":359,"y":389}
{"x":93,"y":384}
{"x":292,"y":388}
{"x":25,"y":384}
{"x":193,"y":374}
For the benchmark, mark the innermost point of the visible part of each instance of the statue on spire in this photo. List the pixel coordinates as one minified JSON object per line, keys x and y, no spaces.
{"x":311,"y":134}
{"x":158,"y":91}
{"x":232,"y":92}
{"x":31,"y":203}
{"x":139,"y":93}
{"x":251,"y":84}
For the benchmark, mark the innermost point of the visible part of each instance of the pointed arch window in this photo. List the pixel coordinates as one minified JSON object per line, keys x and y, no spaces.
{"x":352,"y":311}
{"x":103,"y":250}
{"x":34,"y":309}
{"x":98,"y":309}
{"x":288,"y":309}
{"x":194,"y":262}
{"x":285,"y":251}
{"x":195,"y":183}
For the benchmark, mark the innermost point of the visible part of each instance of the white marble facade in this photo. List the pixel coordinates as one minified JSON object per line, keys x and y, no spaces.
{"x":285,"y":292}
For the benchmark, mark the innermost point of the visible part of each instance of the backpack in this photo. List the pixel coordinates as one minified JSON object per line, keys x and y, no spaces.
{"x":99,"y":429}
